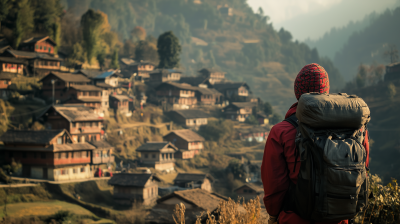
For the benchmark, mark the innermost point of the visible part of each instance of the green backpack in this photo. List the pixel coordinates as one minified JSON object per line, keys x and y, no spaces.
{"x":332,"y":183}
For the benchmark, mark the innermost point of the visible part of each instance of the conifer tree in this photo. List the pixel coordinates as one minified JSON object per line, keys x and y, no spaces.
{"x":4,"y":6}
{"x":91,"y":23}
{"x":114,"y":60}
{"x":23,"y":20}
{"x":169,"y":50}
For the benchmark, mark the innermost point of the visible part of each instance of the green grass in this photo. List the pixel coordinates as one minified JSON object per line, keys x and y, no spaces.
{"x":20,"y":210}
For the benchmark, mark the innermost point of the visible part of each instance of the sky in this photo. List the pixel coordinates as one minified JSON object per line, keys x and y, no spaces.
{"x":312,"y":18}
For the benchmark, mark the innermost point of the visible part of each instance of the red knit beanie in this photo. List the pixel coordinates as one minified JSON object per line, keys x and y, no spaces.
{"x":311,"y":78}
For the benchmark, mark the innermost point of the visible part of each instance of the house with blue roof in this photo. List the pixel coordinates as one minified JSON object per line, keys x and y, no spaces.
{"x":109,"y":77}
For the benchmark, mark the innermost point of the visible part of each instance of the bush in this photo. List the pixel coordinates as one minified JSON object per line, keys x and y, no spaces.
{"x":217,"y":130}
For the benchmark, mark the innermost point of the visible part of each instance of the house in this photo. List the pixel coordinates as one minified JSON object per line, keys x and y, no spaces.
{"x":257,"y":134}
{"x":392,"y":72}
{"x":39,"y":64}
{"x":225,"y":10}
{"x":250,"y":191}
{"x":159,"y":155}
{"x":110,"y":78}
{"x":132,"y":188}
{"x":164,"y":75}
{"x":233,"y":90}
{"x":206,"y":96}
{"x":38,"y":44}
{"x":180,"y":95}
{"x":239,"y":111}
{"x":262,"y":118}
{"x":214,"y":75}
{"x":187,"y":141}
{"x":199,"y":42}
{"x":141,"y":69}
{"x":61,"y":82}
{"x":47,"y":154}
{"x":189,"y":118}
{"x":197,"y":203}
{"x":90,"y":73}
{"x":103,"y":153}
{"x":13,"y":65}
{"x":87,"y":95}
{"x":194,"y":180}
{"x":120,"y":103}
{"x":197,"y":81}
{"x":81,"y":122}
{"x":5,"y":81}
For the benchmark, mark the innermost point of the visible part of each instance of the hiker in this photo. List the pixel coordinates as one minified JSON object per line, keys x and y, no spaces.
{"x":281,"y":161}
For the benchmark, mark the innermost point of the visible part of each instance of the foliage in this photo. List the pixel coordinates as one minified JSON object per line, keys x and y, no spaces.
{"x":168,"y":49}
{"x":392,"y":53}
{"x":114,"y":60}
{"x":251,"y":120}
{"x":4,"y":7}
{"x":22,"y":15}
{"x":228,"y":212}
{"x":13,"y":167}
{"x":217,"y":130}
{"x":146,"y":51}
{"x":275,"y":118}
{"x":138,"y":33}
{"x":391,"y":90}
{"x":237,"y":169}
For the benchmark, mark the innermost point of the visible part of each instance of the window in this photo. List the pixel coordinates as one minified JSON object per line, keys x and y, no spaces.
{"x":245,"y":190}
{"x":59,"y":140}
{"x":74,"y":170}
{"x":87,"y":154}
{"x":49,"y":49}
{"x":34,"y":155}
{"x":24,"y":155}
{"x":66,"y":155}
{"x":72,"y":155}
{"x":37,"y":46}
{"x":146,"y":156}
{"x":59,"y":155}
{"x":10,"y":155}
{"x":74,"y":125}
{"x":82,"y":169}
{"x":153,"y":156}
{"x":45,"y":48}
{"x":43,"y":155}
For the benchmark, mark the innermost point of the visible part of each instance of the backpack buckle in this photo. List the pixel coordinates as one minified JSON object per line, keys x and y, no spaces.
{"x":353,"y":199}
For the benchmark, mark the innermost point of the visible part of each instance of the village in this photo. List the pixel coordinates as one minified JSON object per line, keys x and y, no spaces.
{"x":75,"y":142}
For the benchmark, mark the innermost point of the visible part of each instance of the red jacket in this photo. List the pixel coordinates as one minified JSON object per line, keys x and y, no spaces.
{"x":279,"y":158}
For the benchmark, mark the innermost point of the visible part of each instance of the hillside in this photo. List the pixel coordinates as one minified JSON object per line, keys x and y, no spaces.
{"x":244,"y":44}
{"x":368,"y":45}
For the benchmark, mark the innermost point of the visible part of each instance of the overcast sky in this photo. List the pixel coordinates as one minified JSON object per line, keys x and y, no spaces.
{"x":312,"y":18}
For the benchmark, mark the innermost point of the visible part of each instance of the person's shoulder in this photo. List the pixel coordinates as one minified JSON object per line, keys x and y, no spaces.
{"x":282,"y":127}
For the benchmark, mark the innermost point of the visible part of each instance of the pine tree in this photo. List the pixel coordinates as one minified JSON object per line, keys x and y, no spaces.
{"x":23,"y":20}
{"x":92,"y":23}
{"x":114,"y":60}
{"x":169,"y":50}
{"x":4,"y":6}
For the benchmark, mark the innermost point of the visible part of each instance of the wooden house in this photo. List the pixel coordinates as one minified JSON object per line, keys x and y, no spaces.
{"x":38,"y":44}
{"x":226,"y":10}
{"x":206,"y":96}
{"x":239,"y":111}
{"x":132,"y":188}
{"x":213,"y":75}
{"x":88,"y":96}
{"x":90,"y":73}
{"x":392,"y":72}
{"x":47,"y":154}
{"x":164,"y":75}
{"x":5,"y":82}
{"x":233,"y":90}
{"x":62,"y":83}
{"x":103,"y":154}
{"x":194,"y":180}
{"x":250,"y":191}
{"x":187,"y":141}
{"x":110,"y":78}
{"x":180,"y":95}
{"x":81,"y":122}
{"x":197,"y":203}
{"x":39,"y":64}
{"x":120,"y":103}
{"x":13,"y":65}
{"x":159,"y":155}
{"x":141,"y":69}
{"x":254,"y":134}
{"x":197,"y":81}
{"x":189,"y":118}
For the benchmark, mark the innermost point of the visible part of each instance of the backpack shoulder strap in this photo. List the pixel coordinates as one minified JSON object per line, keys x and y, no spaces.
{"x":292,"y":120}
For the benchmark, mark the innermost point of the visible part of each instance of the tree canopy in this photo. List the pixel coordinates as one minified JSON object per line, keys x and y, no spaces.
{"x":168,"y":49}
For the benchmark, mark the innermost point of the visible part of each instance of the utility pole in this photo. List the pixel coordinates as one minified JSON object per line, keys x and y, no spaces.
{"x":52,"y":82}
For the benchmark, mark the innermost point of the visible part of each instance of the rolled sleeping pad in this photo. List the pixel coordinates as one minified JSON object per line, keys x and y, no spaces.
{"x":332,"y":110}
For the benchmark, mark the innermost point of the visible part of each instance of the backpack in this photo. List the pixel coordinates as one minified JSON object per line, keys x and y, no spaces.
{"x":332,"y":182}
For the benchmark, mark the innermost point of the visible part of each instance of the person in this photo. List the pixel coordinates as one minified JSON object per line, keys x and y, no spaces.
{"x":279,"y":153}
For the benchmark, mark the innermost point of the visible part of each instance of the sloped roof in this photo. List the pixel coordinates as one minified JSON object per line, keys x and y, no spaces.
{"x":101,"y":144}
{"x":183,"y":86}
{"x":72,"y":147}
{"x":7,"y":75}
{"x":199,"y":42}
{"x":84,"y":99}
{"x":120,"y":97}
{"x":196,"y":177}
{"x":33,"y":40}
{"x":229,"y":85}
{"x":104,"y":85}
{"x":209,"y":70}
{"x":190,"y":114}
{"x":198,"y":197}
{"x":194,"y":81}
{"x":165,"y":71}
{"x":30,"y":137}
{"x":256,"y":188}
{"x":107,"y":74}
{"x":243,"y":104}
{"x":156,"y":147}
{"x":393,"y":64}
{"x":187,"y":135}
{"x":131,"y":179}
{"x":32,"y":55}
{"x":77,"y":113}
{"x":207,"y":91}
{"x":127,"y":61}
{"x":86,"y":87}
{"x":90,"y":73}
{"x":142,"y":62}
{"x":13,"y":60}
{"x":68,"y":77}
